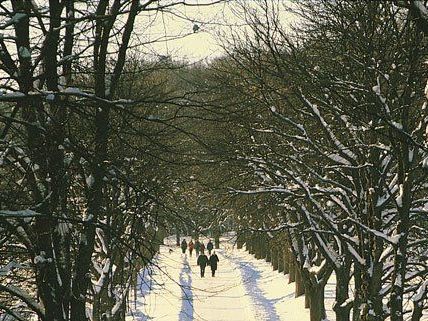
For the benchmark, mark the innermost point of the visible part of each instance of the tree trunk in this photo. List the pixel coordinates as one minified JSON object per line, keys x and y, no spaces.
{"x":217,"y":241}
{"x":258,"y":250}
{"x":274,"y":258}
{"x":161,"y":234}
{"x":368,"y":294}
{"x":417,"y":313}
{"x":285,"y":255}
{"x":280,"y":255}
{"x":307,"y":300}
{"x":268,"y":250}
{"x":291,"y":272}
{"x":341,"y":307}
{"x":216,"y":235}
{"x":240,"y":240}
{"x":316,"y":301}
{"x":250,"y":244}
{"x":356,"y":306}
{"x":261,"y":248}
{"x":299,"y":286}
{"x":135,"y":287}
{"x":177,"y":236}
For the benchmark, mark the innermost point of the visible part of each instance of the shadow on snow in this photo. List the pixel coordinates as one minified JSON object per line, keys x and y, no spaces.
{"x":145,"y":284}
{"x":251,"y":277}
{"x":186,"y":312}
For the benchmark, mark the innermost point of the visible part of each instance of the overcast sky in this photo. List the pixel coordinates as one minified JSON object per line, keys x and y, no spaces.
{"x":214,"y":23}
{"x":175,"y":29}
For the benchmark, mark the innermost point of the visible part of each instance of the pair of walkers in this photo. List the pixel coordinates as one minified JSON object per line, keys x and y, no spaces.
{"x":200,"y":247}
{"x":203,"y":261}
{"x":191,"y":246}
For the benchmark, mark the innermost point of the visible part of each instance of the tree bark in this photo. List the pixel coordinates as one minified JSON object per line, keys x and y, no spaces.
{"x":258,"y":245}
{"x":291,"y":273}
{"x":307,"y":301}
{"x":274,"y":258}
{"x":316,"y":302}
{"x":285,"y":255}
{"x":299,"y":286}
{"x":240,"y":240}
{"x":268,"y":250}
{"x":250,"y":244}
{"x":341,"y":307}
{"x":177,"y":236}
{"x":280,"y":255}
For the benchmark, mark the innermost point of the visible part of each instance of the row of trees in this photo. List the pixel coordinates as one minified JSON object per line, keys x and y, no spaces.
{"x":329,"y":120}
{"x":319,"y":130}
{"x":91,"y":145}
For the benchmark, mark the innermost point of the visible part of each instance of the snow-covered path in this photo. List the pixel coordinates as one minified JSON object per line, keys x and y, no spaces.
{"x":244,"y":289}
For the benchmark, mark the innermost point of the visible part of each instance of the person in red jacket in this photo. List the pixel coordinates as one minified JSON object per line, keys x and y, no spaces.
{"x":191,"y":247}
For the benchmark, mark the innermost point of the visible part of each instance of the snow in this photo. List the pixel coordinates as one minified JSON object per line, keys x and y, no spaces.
{"x":63,"y":228}
{"x":425,"y":162}
{"x":342,"y":148}
{"x":41,"y":258}
{"x":24,"y":52}
{"x":399,"y":198}
{"x":12,"y":95}
{"x":5,"y":270}
{"x":421,"y":292}
{"x":397,"y":125}
{"x":376,"y":89}
{"x":73,"y":90}
{"x":244,"y":289}
{"x":426,"y":90}
{"x":411,"y":154}
{"x":90,"y":180}
{"x":15,"y":19}
{"x":339,"y":159}
{"x":20,"y":214}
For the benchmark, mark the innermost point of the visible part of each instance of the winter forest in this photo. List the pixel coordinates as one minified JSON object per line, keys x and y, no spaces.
{"x":299,"y":146}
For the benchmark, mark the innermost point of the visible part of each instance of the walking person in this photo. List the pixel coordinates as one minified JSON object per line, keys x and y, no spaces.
{"x":213,"y":263}
{"x":202,"y":262}
{"x":191,"y":246}
{"x":202,"y":248}
{"x":183,"y":246}
{"x":210,"y":247}
{"x":197,"y":247}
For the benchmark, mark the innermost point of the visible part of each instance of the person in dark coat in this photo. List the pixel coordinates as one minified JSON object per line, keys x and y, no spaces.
{"x":213,"y":263}
{"x":202,"y":247}
{"x":183,"y":246}
{"x":202,"y":262}
{"x":210,"y":247}
{"x":197,"y":247}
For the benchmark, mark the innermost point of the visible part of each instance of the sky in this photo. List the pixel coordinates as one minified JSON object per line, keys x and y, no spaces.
{"x":172,"y":32}
{"x":215,"y":23}
{"x":175,"y":35}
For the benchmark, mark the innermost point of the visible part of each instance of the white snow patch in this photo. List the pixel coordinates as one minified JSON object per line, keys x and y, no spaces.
{"x":24,"y":52}
{"x":90,"y":180}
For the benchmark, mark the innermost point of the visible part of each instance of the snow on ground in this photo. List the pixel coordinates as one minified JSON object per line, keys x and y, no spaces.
{"x":244,"y":289}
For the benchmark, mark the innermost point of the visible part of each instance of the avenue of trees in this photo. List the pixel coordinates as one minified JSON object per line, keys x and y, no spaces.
{"x":310,"y":139}
{"x":331,"y":124}
{"x":91,"y":144}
